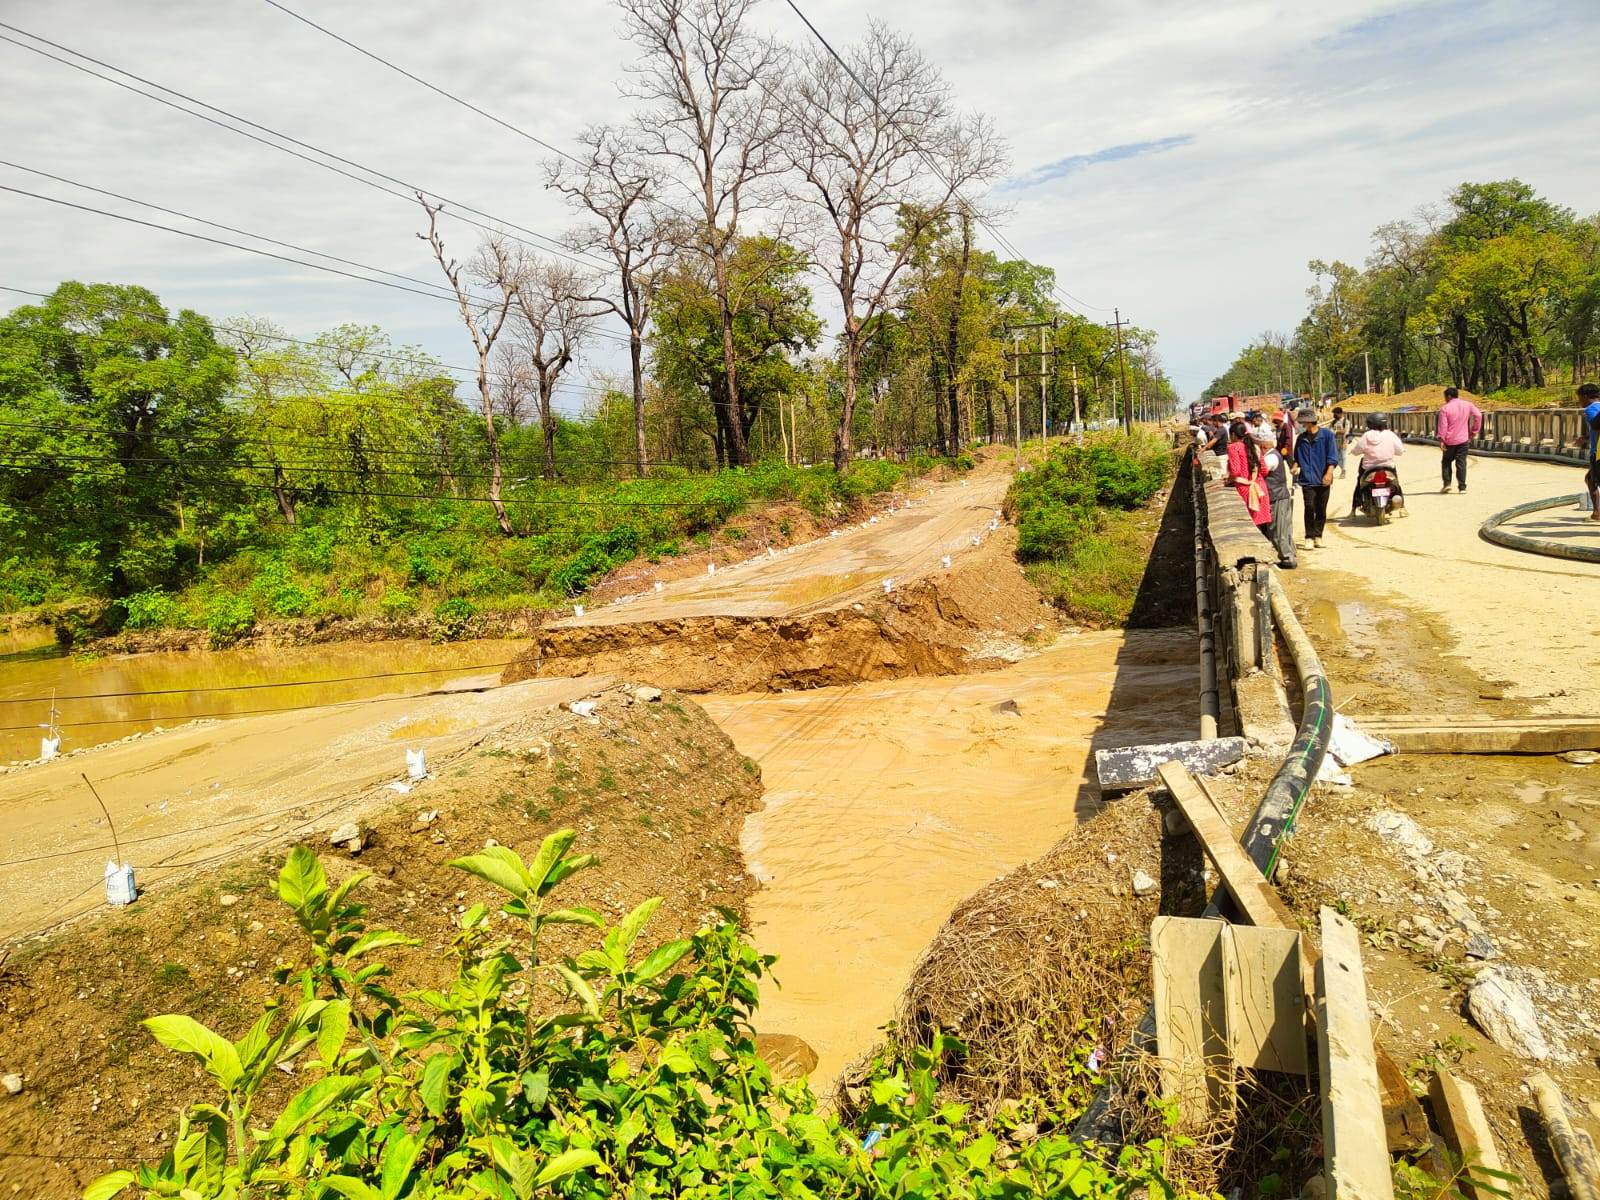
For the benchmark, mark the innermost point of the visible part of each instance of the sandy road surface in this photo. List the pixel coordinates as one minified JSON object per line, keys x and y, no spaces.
{"x":213,"y":790}
{"x":888,"y":803}
{"x":901,"y":545}
{"x":1528,"y":621}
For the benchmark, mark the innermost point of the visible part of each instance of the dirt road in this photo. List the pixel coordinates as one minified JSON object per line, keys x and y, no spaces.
{"x":1528,"y":622}
{"x":902,"y":545}
{"x":213,"y":790}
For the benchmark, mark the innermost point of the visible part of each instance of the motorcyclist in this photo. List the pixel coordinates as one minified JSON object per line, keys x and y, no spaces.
{"x":1378,"y":447}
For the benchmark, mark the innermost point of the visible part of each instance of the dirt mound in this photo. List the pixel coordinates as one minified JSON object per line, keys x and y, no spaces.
{"x":1429,"y":395}
{"x":655,"y":789}
{"x":968,"y":618}
{"x":1052,"y":961}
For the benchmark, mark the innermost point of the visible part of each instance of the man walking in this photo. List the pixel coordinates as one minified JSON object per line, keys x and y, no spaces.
{"x":1458,"y":423}
{"x":1316,"y":454}
{"x":1341,"y":434}
{"x":1589,"y":397}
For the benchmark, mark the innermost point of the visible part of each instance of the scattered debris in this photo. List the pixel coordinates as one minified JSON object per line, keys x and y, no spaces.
{"x":12,"y":1084}
{"x":351,"y":837}
{"x":1143,"y":884}
{"x":647,"y":695}
{"x":424,"y":819}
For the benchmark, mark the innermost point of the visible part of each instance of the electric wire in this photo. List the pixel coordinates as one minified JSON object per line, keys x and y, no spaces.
{"x":551,"y":245}
{"x":378,"y":58}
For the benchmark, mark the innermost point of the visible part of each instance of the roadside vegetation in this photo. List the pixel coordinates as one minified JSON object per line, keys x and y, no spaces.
{"x":1497,"y":291}
{"x":640,"y":1078}
{"x":1083,"y":531}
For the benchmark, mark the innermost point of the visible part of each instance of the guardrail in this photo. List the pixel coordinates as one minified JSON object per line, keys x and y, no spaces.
{"x":1554,"y":433}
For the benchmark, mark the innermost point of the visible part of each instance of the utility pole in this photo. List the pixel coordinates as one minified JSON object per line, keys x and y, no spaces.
{"x":1016,"y":387}
{"x":1122,"y":367}
{"x":1317,"y":399}
{"x":1044,"y":414}
{"x":1367,"y":359}
{"x":1077,"y":416}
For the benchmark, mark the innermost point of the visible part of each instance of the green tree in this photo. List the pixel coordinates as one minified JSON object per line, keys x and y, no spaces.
{"x":120,"y":440}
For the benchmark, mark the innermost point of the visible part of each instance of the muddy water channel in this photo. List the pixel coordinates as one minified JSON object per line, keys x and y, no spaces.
{"x":888,"y":803}
{"x":220,"y":684}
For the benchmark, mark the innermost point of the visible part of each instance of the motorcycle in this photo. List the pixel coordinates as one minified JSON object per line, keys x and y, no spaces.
{"x":1378,"y":493}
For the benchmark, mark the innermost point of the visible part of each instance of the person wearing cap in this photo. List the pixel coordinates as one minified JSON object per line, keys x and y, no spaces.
{"x":1280,"y":492}
{"x":1316,"y":456}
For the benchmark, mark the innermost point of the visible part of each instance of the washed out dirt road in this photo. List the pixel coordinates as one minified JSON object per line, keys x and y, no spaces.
{"x":904,"y":544}
{"x":211,"y":791}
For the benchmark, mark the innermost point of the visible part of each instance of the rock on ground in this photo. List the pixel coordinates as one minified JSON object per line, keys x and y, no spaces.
{"x":1500,"y":1007}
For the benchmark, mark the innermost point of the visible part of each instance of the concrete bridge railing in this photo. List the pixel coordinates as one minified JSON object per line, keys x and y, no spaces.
{"x":1553,"y":433}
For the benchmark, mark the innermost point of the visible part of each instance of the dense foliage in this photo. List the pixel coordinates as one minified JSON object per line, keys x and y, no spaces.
{"x":1065,"y":496}
{"x":211,"y":478}
{"x":1499,"y":288}
{"x":618,"y":1071}
{"x":1083,"y":527}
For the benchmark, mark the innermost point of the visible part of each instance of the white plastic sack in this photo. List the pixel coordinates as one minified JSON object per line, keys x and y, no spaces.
{"x":120,"y":887}
{"x":416,"y":764}
{"x":49,"y":747}
{"x":1351,"y":745}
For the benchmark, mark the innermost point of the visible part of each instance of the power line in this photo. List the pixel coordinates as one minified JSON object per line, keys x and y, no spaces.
{"x":588,"y":502}
{"x":173,"y":212}
{"x":552,"y":246}
{"x":430,"y":86}
{"x":921,"y":153}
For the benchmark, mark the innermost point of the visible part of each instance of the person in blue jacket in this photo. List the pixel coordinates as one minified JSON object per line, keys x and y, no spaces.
{"x":1316,"y":456}
{"x":1589,"y":397}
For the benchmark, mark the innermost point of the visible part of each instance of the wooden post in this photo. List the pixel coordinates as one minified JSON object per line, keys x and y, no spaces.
{"x":1355,"y":1149}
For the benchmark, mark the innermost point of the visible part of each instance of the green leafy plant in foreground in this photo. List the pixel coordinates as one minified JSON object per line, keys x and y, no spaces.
{"x":620,"y":1071}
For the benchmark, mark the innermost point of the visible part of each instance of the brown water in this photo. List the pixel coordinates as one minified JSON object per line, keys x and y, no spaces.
{"x":888,"y":803}
{"x":222,"y":683}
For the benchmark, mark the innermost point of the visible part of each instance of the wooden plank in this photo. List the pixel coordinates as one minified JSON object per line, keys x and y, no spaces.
{"x":1188,"y":989}
{"x":1355,"y":1153}
{"x":1266,"y":998}
{"x":1404,"y":1121}
{"x":1128,"y":767}
{"x":1574,"y":1153}
{"x":1257,"y":899}
{"x":1461,"y":1119}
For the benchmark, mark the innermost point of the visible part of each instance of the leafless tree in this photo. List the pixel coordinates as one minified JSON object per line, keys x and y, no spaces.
{"x":555,"y":317}
{"x":710,"y":86}
{"x":498,"y":267}
{"x":620,"y":188}
{"x":514,"y":384}
{"x":882,"y":159}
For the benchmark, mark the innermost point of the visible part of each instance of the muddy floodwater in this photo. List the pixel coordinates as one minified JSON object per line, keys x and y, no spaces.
{"x":888,"y":803}
{"x":221,"y":683}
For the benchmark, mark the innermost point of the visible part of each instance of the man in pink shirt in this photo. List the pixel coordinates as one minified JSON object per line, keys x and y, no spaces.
{"x":1459,"y":422}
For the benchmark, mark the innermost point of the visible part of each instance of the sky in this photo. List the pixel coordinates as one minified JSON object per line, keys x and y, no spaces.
{"x":1177,"y":161}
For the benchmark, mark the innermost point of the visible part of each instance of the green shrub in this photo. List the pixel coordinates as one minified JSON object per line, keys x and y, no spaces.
{"x":644,"y":1081}
{"x":452,"y":617}
{"x":396,"y":603}
{"x":151,"y":609}
{"x":227,"y":618}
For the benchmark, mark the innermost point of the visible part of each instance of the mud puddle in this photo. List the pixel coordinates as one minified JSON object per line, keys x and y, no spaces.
{"x":888,"y":802}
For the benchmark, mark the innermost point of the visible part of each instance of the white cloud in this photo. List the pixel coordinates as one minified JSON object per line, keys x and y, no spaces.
{"x":1286,"y":131}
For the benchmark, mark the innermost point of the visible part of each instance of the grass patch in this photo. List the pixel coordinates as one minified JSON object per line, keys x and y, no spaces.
{"x":1084,"y":532}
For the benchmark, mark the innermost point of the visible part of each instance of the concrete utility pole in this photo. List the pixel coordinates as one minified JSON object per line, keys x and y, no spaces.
{"x":1122,"y":366}
{"x":1367,"y":359}
{"x":1016,"y":387}
{"x":1077,"y":416}
{"x":1044,"y":414}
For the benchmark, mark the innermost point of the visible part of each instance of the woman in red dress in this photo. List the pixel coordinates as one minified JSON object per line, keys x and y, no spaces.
{"x":1248,"y":474}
